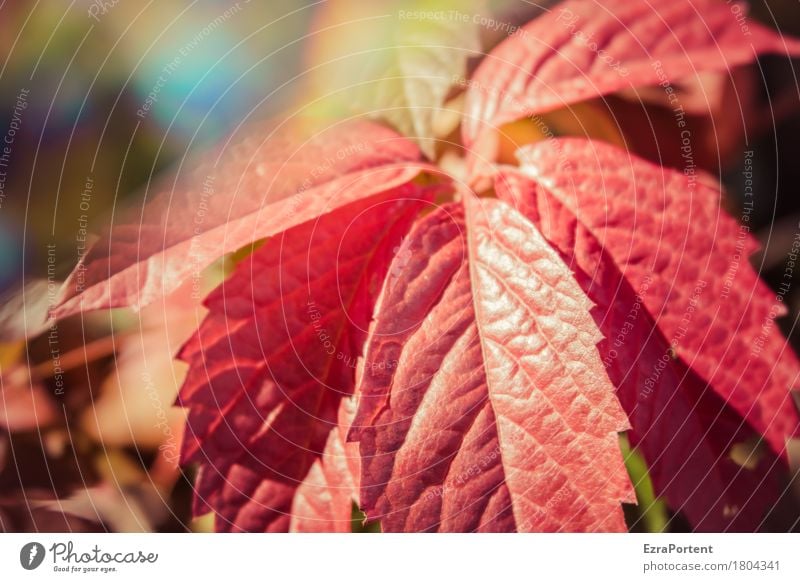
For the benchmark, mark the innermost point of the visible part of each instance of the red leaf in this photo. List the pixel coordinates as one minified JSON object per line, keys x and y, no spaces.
{"x":684,"y":429}
{"x":484,"y":404}
{"x":266,"y":183}
{"x":272,"y":360}
{"x":582,"y":49}
{"x":323,"y":502}
{"x":667,"y":228}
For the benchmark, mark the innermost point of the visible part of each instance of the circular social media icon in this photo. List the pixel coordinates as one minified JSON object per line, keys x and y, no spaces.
{"x":31,"y":555}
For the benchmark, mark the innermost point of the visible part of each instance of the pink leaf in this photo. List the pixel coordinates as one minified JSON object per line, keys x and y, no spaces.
{"x":272,"y":361}
{"x":662,"y":226}
{"x":583,"y":49}
{"x":262,"y":185}
{"x":682,"y":427}
{"x":484,"y":404}
{"x":323,"y":502}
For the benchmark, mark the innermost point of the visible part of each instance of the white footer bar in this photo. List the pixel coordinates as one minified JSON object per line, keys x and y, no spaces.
{"x":401,"y":558}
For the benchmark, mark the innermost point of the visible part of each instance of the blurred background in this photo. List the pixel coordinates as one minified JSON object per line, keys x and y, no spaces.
{"x":99,"y":97}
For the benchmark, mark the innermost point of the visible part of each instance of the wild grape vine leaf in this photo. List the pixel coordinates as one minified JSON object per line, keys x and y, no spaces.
{"x":584,"y":49}
{"x":273,"y":360}
{"x":665,"y":229}
{"x":430,"y":56}
{"x":684,"y":429}
{"x":483,"y":402}
{"x":323,"y":501}
{"x":265,"y":183}
{"x":499,"y":348}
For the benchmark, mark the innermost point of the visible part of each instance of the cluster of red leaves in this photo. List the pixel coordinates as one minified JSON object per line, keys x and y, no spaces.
{"x":466,"y":363}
